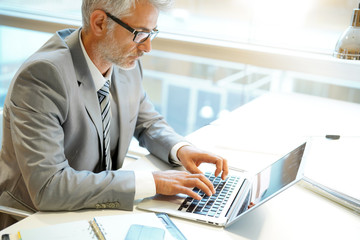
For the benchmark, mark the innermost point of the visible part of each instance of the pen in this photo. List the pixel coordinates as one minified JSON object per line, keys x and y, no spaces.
{"x":332,"y":137}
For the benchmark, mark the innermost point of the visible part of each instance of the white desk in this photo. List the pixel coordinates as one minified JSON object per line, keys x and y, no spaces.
{"x":265,"y":128}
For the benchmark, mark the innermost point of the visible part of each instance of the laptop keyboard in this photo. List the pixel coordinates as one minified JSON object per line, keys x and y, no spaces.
{"x":211,"y":206}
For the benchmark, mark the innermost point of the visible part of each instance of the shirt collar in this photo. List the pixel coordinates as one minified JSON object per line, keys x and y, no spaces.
{"x":99,"y":79}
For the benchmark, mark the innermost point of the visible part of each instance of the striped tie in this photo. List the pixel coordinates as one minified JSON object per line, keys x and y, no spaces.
{"x":104,"y":100}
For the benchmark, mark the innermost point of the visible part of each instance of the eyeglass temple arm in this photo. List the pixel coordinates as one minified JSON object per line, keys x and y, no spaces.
{"x":121,"y":23}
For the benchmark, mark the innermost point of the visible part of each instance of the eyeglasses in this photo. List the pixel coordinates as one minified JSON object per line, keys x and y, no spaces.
{"x":140,"y":36}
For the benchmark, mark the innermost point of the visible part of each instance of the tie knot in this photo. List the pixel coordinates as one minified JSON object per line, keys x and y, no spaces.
{"x":104,"y":91}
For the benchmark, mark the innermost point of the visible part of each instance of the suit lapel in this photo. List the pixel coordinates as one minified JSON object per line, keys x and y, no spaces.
{"x":86,"y":84}
{"x":120,"y":90}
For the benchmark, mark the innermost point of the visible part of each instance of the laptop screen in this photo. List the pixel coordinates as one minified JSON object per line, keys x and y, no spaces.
{"x":272,"y":180}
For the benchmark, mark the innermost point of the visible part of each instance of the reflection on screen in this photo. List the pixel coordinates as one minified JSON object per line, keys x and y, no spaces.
{"x":274,"y":178}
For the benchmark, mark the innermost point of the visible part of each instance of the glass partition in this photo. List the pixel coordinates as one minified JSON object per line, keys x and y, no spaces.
{"x":191,"y":92}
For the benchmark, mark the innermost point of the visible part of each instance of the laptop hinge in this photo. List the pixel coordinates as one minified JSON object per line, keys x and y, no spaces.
{"x":241,"y":201}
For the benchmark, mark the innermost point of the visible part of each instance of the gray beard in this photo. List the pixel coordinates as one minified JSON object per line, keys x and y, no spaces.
{"x":107,"y":51}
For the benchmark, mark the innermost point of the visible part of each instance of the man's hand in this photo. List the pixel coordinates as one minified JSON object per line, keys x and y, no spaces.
{"x":191,"y":158}
{"x":173,"y":182}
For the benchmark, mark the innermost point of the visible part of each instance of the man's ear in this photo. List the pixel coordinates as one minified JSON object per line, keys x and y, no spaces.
{"x":98,"y":22}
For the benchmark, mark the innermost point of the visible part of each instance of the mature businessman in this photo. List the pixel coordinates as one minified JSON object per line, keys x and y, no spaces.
{"x":65,"y":136}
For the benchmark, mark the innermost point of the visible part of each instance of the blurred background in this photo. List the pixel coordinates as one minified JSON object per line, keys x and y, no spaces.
{"x":211,"y":56}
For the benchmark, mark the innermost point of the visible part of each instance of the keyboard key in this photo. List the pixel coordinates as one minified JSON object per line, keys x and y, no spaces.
{"x":191,"y":207}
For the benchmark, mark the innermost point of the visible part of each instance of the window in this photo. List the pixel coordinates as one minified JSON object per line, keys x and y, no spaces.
{"x":310,"y":25}
{"x":197,"y":71}
{"x":15,"y":46}
{"x":61,"y":9}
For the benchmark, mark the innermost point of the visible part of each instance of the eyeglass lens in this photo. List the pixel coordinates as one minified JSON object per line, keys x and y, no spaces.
{"x":141,"y":37}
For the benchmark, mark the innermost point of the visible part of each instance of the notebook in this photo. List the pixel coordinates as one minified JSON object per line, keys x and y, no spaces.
{"x":329,"y":157}
{"x":124,"y":226}
{"x":247,"y":192}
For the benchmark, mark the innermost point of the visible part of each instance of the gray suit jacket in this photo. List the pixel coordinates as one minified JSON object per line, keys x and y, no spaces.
{"x":52,"y":132}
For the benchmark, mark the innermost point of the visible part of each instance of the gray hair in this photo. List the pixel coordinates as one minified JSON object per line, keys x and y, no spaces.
{"x":118,"y":8}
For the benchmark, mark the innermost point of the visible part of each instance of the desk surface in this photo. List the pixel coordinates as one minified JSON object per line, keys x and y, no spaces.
{"x":294,"y":214}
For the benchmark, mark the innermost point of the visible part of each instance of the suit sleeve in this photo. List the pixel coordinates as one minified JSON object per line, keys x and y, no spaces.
{"x":153,"y":132}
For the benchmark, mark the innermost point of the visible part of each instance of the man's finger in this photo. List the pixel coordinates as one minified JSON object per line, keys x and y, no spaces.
{"x":219,"y":167}
{"x":194,"y":170}
{"x":202,"y":183}
{"x":225,"y":170}
{"x":189,"y":192}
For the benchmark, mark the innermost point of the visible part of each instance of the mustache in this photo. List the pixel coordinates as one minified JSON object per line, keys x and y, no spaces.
{"x":137,"y":54}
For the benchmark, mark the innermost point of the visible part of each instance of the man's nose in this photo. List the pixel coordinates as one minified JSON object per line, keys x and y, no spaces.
{"x":145,"y":46}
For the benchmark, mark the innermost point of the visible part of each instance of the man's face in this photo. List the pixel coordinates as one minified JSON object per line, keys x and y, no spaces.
{"x":118,"y":46}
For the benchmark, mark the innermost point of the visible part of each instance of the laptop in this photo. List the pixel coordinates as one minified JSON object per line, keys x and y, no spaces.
{"x":236,"y":196}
